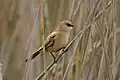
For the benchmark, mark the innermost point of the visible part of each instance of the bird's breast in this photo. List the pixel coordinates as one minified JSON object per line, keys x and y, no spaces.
{"x":61,"y":41}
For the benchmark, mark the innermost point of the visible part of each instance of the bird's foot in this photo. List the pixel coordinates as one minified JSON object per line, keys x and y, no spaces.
{"x":64,"y":50}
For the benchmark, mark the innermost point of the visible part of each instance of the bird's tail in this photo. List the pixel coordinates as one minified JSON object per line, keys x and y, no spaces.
{"x":35,"y":54}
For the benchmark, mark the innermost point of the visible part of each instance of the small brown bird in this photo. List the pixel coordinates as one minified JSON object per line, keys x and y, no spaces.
{"x":57,"y":40}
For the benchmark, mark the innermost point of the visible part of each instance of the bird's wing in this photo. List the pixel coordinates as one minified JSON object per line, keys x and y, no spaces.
{"x":48,"y":43}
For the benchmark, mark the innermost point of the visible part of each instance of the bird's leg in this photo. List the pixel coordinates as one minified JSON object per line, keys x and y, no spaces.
{"x":53,"y":57}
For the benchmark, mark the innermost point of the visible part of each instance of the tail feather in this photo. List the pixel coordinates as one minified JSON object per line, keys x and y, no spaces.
{"x":35,"y":54}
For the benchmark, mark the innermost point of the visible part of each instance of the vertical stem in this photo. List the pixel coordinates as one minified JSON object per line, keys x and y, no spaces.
{"x":114,"y":42}
{"x":42,"y":29}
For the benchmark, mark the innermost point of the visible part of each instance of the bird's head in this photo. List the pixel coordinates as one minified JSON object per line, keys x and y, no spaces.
{"x":65,"y":25}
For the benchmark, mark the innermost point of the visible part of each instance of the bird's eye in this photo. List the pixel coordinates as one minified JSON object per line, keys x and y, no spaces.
{"x":70,"y":25}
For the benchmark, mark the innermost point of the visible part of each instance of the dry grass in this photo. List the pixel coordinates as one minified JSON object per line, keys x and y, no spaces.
{"x":93,"y":49}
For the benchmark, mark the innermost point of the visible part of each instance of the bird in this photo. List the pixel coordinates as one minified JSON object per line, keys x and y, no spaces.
{"x":57,"y":40}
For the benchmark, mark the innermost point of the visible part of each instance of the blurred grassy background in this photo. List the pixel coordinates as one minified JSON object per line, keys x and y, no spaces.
{"x":24,"y":25}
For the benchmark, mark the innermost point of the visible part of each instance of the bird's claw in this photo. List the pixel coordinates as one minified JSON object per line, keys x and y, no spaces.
{"x":64,"y":50}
